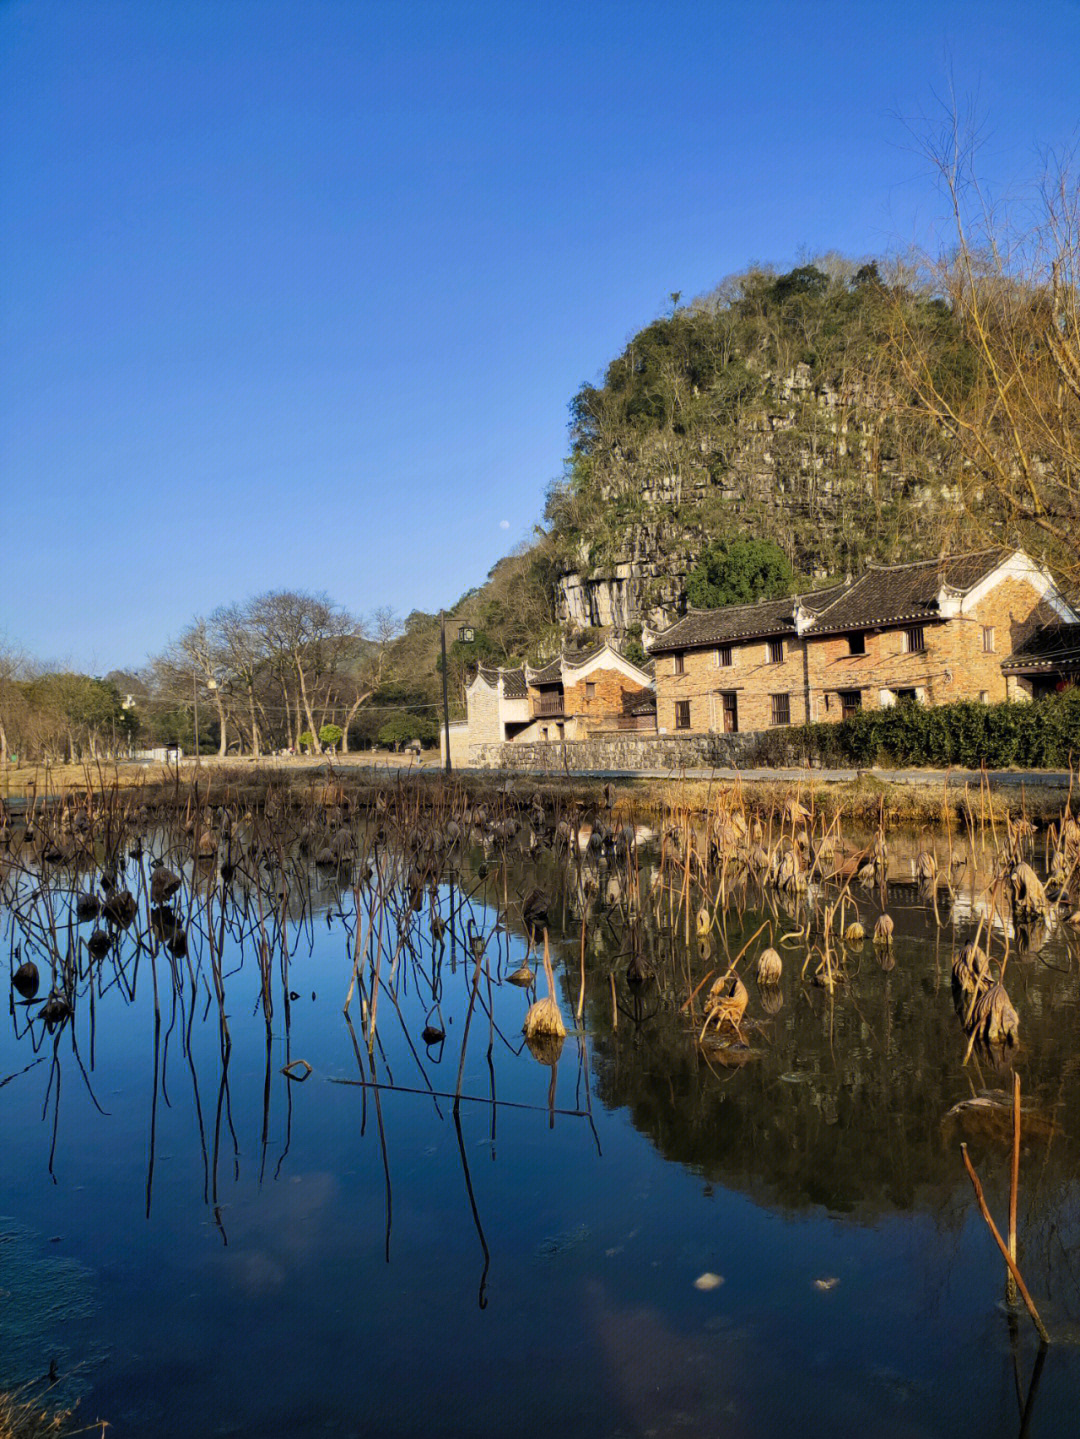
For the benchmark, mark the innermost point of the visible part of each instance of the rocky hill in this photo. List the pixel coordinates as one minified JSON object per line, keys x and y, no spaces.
{"x":769,"y":408}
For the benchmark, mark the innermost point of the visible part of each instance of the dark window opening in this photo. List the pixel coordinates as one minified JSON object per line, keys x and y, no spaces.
{"x":781,"y":709}
{"x":916,"y":639}
{"x":856,"y":644}
{"x":730,"y":711}
{"x":682,"y":714}
{"x":679,"y":663}
{"x":850,"y":703}
{"x":724,"y":657}
{"x":776,"y":652}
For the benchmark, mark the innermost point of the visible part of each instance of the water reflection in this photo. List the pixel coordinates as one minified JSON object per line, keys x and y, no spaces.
{"x":288,"y":1032}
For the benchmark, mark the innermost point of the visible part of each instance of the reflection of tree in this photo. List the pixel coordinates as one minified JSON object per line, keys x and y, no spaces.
{"x":844,"y":1104}
{"x":841,"y":1105}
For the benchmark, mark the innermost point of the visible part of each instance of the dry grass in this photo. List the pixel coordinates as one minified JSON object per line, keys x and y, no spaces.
{"x":25,"y":1418}
{"x":863,"y":800}
{"x":42,"y":779}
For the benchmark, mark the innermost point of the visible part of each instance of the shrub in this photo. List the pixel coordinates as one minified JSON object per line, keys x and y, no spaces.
{"x":738,"y":571}
{"x":1042,"y":735}
{"x":330,"y":734}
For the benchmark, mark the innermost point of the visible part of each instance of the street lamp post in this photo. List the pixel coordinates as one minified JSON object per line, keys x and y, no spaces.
{"x":445,"y":698}
{"x":466,"y":634}
{"x":211,"y":684}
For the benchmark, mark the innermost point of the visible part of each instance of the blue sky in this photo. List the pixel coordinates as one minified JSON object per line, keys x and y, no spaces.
{"x":297,"y":294}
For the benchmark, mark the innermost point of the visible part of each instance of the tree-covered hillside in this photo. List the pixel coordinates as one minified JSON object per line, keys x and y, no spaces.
{"x":773,"y":408}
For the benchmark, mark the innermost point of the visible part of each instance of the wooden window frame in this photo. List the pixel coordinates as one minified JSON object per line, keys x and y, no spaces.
{"x":847,"y":709}
{"x":682,"y":714}
{"x":775,"y":650}
{"x":729,"y":704}
{"x":780,"y":710}
{"x":725,"y":657}
{"x":915,"y":640}
{"x":989,"y":640}
{"x":678,"y":664}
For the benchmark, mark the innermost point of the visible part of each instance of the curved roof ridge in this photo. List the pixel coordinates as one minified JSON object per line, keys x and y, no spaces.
{"x":942,"y":559}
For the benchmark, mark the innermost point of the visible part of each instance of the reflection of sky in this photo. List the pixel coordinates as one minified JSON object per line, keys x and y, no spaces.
{"x":299,"y":1325}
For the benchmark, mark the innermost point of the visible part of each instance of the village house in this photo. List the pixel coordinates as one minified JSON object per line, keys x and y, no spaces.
{"x":575,"y":696}
{"x":578,"y":695}
{"x":990,"y":625}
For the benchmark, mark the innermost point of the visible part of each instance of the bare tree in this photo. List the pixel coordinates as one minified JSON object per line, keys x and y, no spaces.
{"x":191,"y":669}
{"x":12,"y":702}
{"x":242,"y":651}
{"x":370,"y":665}
{"x":305,"y":637}
{"x":993,"y":356}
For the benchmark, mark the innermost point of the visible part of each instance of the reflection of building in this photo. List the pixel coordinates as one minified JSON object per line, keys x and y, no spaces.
{"x":934,"y":631}
{"x":574,"y":697}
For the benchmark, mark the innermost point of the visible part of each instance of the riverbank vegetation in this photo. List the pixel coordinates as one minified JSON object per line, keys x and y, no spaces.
{"x":364,"y":782}
{"x":22,"y":1417}
{"x":1042,"y":734}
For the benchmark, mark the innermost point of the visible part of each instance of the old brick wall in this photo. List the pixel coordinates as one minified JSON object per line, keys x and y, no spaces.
{"x":459,"y":744}
{"x":752,"y":677}
{"x":953,"y":666}
{"x":601,"y":709}
{"x":619,"y":752}
{"x":1014,"y":611}
{"x":483,"y":706}
{"x":887,"y":664}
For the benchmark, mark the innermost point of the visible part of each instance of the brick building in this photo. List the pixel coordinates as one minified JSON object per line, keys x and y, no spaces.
{"x":1046,"y":661}
{"x":939,"y":630}
{"x":577,"y":695}
{"x":572,"y":698}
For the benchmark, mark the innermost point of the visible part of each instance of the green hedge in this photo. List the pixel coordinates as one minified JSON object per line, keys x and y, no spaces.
{"x":1040,"y":735}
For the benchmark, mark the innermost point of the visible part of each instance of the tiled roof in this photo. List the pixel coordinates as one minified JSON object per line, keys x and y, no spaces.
{"x":702,"y":628}
{"x":551,"y":674}
{"x":889,"y":594}
{"x":554,"y":672}
{"x":513,"y":681}
{"x":1051,"y":647}
{"x":886,"y":594}
{"x":576,"y":658}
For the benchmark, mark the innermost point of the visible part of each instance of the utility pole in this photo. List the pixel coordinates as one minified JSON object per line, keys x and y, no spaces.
{"x":445,"y":699}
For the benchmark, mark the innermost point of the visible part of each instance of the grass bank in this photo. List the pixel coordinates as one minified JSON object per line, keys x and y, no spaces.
{"x":361,"y":779}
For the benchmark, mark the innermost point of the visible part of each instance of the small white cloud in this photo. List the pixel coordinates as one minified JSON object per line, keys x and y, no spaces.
{"x":504,"y":524}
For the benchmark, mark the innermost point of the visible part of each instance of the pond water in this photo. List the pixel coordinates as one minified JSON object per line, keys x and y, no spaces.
{"x":648,"y":1235}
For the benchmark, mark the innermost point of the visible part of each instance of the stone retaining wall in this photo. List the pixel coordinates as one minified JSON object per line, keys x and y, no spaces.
{"x":619,"y":751}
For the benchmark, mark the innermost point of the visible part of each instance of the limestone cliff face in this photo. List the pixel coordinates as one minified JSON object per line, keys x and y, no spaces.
{"x":818,"y":468}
